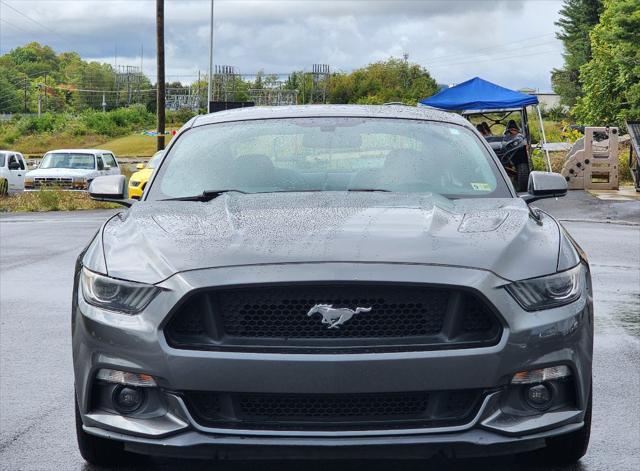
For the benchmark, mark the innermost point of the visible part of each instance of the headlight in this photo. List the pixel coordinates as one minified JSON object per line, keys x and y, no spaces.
{"x":79,"y":183}
{"x":549,"y":291}
{"x":115,"y":295}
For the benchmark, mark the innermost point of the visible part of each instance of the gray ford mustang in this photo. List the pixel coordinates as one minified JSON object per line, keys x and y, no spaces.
{"x":339,"y":281}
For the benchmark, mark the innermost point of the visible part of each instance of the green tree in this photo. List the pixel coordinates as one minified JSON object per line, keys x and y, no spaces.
{"x":382,"y":82}
{"x":11,"y":100}
{"x":611,"y":80}
{"x":63,"y":80}
{"x":577,"y":19}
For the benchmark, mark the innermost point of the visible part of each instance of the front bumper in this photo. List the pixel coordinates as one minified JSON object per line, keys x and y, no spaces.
{"x":136,"y":191}
{"x":102,"y":339}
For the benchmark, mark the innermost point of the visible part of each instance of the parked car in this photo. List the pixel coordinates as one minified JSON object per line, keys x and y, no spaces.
{"x":139,"y":179}
{"x":71,"y":169}
{"x":12,"y":171}
{"x":332,"y":280}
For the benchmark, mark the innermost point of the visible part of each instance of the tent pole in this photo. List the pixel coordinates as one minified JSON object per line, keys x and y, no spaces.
{"x":544,"y":138}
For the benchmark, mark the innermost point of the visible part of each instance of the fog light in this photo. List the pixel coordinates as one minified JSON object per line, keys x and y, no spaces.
{"x":538,"y":396}
{"x":127,"y":400}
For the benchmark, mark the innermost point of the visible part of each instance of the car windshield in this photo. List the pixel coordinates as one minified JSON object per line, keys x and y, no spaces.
{"x":68,"y":160}
{"x":329,"y":154}
{"x":153,"y":162}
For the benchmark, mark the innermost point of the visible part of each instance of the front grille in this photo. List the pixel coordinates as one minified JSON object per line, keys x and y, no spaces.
{"x":277,"y":317}
{"x":279,"y":312}
{"x":333,"y":411}
{"x":55,"y":182}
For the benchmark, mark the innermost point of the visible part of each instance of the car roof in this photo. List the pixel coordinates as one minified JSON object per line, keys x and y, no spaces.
{"x":316,"y":111}
{"x":79,"y":151}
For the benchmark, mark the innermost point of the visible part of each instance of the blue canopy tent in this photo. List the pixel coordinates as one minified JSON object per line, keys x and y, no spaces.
{"x":480,"y":95}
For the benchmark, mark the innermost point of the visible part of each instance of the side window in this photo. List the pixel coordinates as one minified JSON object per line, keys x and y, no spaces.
{"x":99,"y":162}
{"x":109,"y":160}
{"x":23,"y":164}
{"x":13,"y":160}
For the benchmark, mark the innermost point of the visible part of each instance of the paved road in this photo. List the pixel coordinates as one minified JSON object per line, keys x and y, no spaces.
{"x":37,"y":252}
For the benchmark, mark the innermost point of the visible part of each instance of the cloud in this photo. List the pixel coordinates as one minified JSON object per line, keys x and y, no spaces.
{"x":509,"y":41}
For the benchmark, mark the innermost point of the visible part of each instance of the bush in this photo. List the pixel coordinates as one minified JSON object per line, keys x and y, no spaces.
{"x":117,"y":122}
{"x":49,"y":200}
{"x":179,"y":117}
{"x":48,"y":122}
{"x":555,"y":113}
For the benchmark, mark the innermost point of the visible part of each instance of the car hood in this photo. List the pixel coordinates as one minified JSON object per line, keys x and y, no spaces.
{"x":60,"y":172}
{"x":154,"y":240}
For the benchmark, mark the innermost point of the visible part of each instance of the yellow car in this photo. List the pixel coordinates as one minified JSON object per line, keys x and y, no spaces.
{"x":139,"y":179}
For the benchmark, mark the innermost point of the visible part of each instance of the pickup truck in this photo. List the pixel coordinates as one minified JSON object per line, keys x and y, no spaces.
{"x":71,"y":169}
{"x":13,"y":168}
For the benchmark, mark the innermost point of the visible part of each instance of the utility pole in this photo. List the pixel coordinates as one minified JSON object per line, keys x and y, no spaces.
{"x":104,"y":103}
{"x":160,"y":98}
{"x":39,"y":100}
{"x":26,"y":83}
{"x":209,"y":88}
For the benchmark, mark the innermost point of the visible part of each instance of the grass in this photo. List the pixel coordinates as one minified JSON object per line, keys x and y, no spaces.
{"x":133,"y":145}
{"x":50,"y":200}
{"x":43,"y":142}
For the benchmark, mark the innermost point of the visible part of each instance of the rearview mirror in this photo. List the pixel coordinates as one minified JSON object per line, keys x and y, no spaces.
{"x":110,"y":188}
{"x":329,"y":140}
{"x":545,"y":185}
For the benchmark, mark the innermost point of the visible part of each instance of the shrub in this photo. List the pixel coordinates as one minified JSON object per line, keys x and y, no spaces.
{"x":47,"y":122}
{"x":48,"y":200}
{"x":179,"y":117}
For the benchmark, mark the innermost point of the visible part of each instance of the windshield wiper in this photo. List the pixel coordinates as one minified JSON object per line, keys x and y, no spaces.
{"x":206,"y":195}
{"x":369,"y":189}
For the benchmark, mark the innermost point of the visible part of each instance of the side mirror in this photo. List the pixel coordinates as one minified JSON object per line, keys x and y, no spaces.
{"x":14,"y":166}
{"x":110,"y":188}
{"x":140,"y":166}
{"x":545,"y":185}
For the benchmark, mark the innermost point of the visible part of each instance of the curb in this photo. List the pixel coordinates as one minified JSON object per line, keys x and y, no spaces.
{"x":603,"y":221}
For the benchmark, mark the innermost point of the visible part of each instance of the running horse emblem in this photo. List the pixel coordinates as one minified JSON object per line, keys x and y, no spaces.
{"x":335,"y":317}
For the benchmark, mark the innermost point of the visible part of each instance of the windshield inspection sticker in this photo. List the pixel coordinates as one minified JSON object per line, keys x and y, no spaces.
{"x":481,"y":186}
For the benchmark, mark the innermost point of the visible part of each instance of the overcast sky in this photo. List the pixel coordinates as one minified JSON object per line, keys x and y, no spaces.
{"x":511,"y":42}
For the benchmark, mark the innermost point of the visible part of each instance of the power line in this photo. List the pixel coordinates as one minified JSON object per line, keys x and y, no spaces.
{"x":31,"y":19}
{"x":492,"y":59}
{"x":493,"y":52}
{"x":11,"y":25}
{"x":489,"y":47}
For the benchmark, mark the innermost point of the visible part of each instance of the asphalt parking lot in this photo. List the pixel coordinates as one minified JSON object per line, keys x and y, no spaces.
{"x":37,"y":253}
